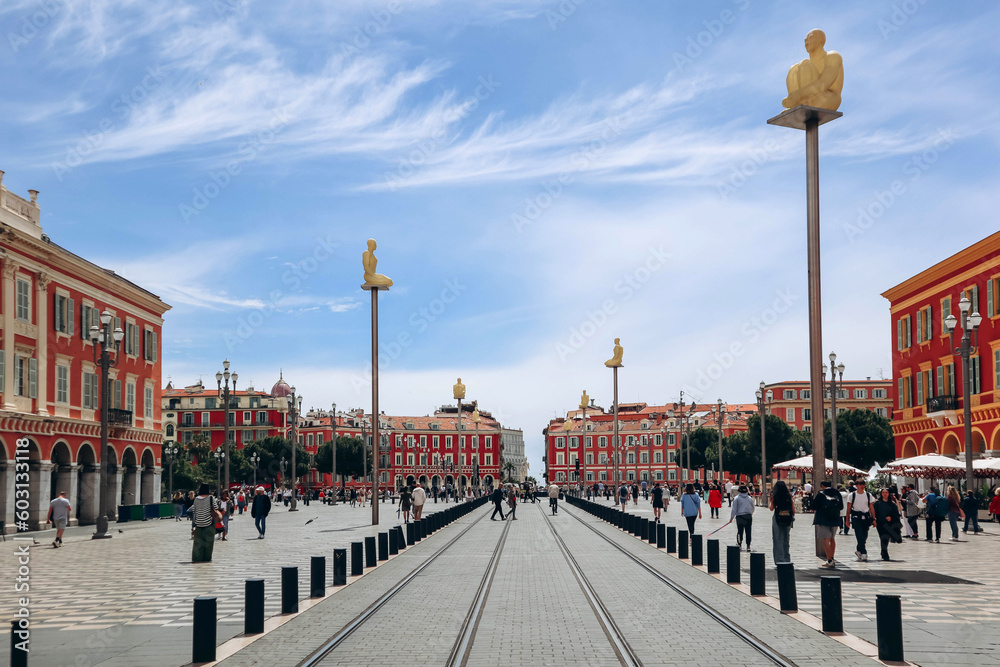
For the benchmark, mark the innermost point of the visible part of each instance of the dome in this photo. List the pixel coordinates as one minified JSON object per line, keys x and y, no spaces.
{"x":281,"y":388}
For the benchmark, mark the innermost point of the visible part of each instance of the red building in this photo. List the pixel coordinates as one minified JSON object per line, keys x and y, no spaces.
{"x":791,"y":401}
{"x":927,"y":390}
{"x":49,"y":380}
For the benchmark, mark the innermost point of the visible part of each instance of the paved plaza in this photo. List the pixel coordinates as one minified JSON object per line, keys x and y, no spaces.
{"x":128,"y":601}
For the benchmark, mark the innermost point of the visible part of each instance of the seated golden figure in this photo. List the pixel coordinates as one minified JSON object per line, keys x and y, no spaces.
{"x":459,"y":389}
{"x":818,"y":80}
{"x":584,"y":400}
{"x":369,"y":261}
{"x":615,"y":361}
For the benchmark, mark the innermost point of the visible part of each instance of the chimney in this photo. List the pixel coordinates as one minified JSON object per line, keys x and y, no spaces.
{"x":868,"y":378}
{"x":34,"y":197}
{"x":1,"y":177}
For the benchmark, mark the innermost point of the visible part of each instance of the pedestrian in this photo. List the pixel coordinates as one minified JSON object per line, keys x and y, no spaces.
{"x":241,"y":501}
{"x":912,"y":510}
{"x":553,"y":492}
{"x":970,"y":505}
{"x":657,"y":501}
{"x":635,"y":493}
{"x":714,"y":501}
{"x":936,"y":508}
{"x":623,"y":496}
{"x":845,"y":526}
{"x":860,"y":515}
{"x":178,"y":502}
{"x":259,"y":510}
{"x":729,"y":491}
{"x":206,"y":512}
{"x":995,"y":506}
{"x":354,"y":497}
{"x":742,"y":514}
{"x":887,"y":521}
{"x":419,"y":498}
{"x":406,"y":502}
{"x":783,"y":517}
{"x":227,"y":511}
{"x":497,"y":498}
{"x":512,"y":502}
{"x":826,"y":507}
{"x":954,"y":511}
{"x":59,"y":511}
{"x":188,"y":502}
{"x":690,"y":507}
{"x":645,"y":491}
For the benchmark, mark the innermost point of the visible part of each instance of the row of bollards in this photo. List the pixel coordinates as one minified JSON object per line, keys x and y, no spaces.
{"x":365,"y":554}
{"x":888,"y":610}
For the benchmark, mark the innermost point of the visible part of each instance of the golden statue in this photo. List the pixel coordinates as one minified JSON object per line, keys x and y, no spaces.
{"x":475,"y":416}
{"x":818,"y":80}
{"x":584,"y":400}
{"x":459,"y":389}
{"x":615,"y":361}
{"x":369,"y":261}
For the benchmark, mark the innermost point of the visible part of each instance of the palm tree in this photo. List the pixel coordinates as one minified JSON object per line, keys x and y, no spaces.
{"x":509,"y":467}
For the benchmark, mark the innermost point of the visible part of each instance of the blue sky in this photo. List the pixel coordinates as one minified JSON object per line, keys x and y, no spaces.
{"x":541,"y":177}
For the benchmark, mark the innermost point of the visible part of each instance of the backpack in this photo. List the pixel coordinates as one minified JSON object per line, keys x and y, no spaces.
{"x":784,"y":517}
{"x":941,"y":507}
{"x":830,"y":510}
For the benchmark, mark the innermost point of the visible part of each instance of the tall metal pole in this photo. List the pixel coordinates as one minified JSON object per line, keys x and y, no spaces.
{"x":616,"y":444}
{"x":458,"y":451}
{"x":104,"y":337}
{"x":833,"y":418}
{"x":226,"y":434}
{"x":375,"y":412}
{"x":293,"y":413}
{"x":967,"y":400}
{"x":763,"y":448}
{"x":583,"y":440}
{"x":815,"y":306}
{"x":722,"y":416}
{"x":333,"y":476}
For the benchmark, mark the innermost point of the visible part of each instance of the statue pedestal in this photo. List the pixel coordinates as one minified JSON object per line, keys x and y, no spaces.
{"x":798,"y":117}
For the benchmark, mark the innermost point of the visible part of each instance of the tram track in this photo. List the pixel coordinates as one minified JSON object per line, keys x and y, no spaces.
{"x":463,"y":644}
{"x":764,"y":649}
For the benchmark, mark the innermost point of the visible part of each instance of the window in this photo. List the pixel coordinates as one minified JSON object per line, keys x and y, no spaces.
{"x":447,"y":442}
{"x":63,"y":316}
{"x":590,"y":459}
{"x":805,"y":394}
{"x":23,"y":300}
{"x":262,"y":418}
{"x":671,"y":438}
{"x":992,"y":292}
{"x":130,"y":397}
{"x":147,"y":401}
{"x":149,"y":345}
{"x":659,"y":475}
{"x":170,"y":430}
{"x":206,"y":418}
{"x":560,"y":442}
{"x":25,"y":384}
{"x":209,"y":402}
{"x":672,"y":457}
{"x":878,"y":393}
{"x":789,"y":414}
{"x":409,"y":459}
{"x":89,"y":317}
{"x":188,"y":419}
{"x":489,"y":459}
{"x":399,"y":459}
{"x":644,"y":457}
{"x":117,"y":401}
{"x":904,"y":333}
{"x":925,"y":326}
{"x":602,"y":441}
{"x":247,"y":417}
{"x":977,"y":385}
{"x":90,"y":393}
{"x":261,"y":434}
{"x":788,"y":394}
{"x":904,"y":387}
{"x":672,"y":475}
{"x":920,"y":388}
{"x":972,"y":294}
{"x":657,"y":457}
{"x":62,"y":384}
{"x":560,"y":459}
{"x":880,"y":412}
{"x":807,"y":414}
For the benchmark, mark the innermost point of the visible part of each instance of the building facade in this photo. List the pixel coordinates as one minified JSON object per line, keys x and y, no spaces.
{"x":49,"y":379}
{"x":927,"y":376}
{"x":791,"y":401}
{"x":512,"y":441}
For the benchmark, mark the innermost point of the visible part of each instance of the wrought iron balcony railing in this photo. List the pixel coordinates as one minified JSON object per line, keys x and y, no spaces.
{"x":117,"y":417}
{"x":942,"y":403}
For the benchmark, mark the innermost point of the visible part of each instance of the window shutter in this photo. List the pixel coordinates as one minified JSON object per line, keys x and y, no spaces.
{"x":929,"y":323}
{"x":84,"y":316}
{"x":899,"y":390}
{"x":33,"y":378}
{"x":940,"y":380}
{"x":945,"y":312}
{"x":118,"y":394}
{"x":899,"y":334}
{"x":978,"y":376}
{"x":951,"y":379}
{"x":920,"y":326}
{"x":920,"y":388}
{"x":996,"y":369}
{"x":86,"y":391}
{"x":989,"y":298}
{"x":69,"y":316}
{"x":909,"y":332}
{"x":3,"y":368}
{"x":56,"y":313}
{"x":975,"y":299}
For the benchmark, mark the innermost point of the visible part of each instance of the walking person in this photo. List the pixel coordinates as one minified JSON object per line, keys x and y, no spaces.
{"x":995,"y":507}
{"x":635,"y":493}
{"x":623,"y":496}
{"x":553,"y":492}
{"x":970,"y":505}
{"x":936,"y":508}
{"x":405,"y":502}
{"x":742,"y":514}
{"x":912,"y":509}
{"x":512,"y":502}
{"x":227,"y":511}
{"x":657,"y":501}
{"x":178,"y":501}
{"x":419,"y":498}
{"x":714,"y":501}
{"x":241,"y":501}
{"x":860,"y":515}
{"x":497,"y":498}
{"x":259,"y":510}
{"x":690,"y":507}
{"x":59,"y":511}
{"x":826,"y":518}
{"x":783,"y":517}
{"x":206,"y":511}
{"x":845,"y":526}
{"x":729,"y":491}
{"x":188,"y":502}
{"x":887,"y":521}
{"x":954,"y":511}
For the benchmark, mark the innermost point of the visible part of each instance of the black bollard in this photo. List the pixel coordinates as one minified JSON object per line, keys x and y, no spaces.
{"x":253,"y":618}
{"x":289,"y":590}
{"x":203,"y":647}
{"x":644,"y":529}
{"x":400,"y":538}
{"x":317,"y":576}
{"x":683,"y":542}
{"x":371,"y":557}
{"x":671,"y":540}
{"x":832,"y":604}
{"x":411,"y":534}
{"x":340,"y":567}
{"x":418,"y":533}
{"x":732,"y":565}
{"x":889,"y":621}
{"x":696,"y":552}
{"x":757,"y":585}
{"x":357,"y":559}
{"x":425,"y":527}
{"x":18,"y":656}
{"x":661,"y":536}
{"x":383,"y":546}
{"x":713,"y":556}
{"x":393,"y":547}
{"x":787,"y":597}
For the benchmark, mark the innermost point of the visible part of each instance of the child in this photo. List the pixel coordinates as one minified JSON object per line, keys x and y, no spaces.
{"x":995,"y":507}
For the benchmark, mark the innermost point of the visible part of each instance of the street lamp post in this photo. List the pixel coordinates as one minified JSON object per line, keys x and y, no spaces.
{"x":333,"y":475}
{"x":722,"y":417}
{"x":763,"y":396}
{"x":107,"y":340}
{"x":254,"y":461}
{"x":224,"y":394}
{"x":294,"y":408}
{"x":476,"y":419}
{"x":169,"y":453}
{"x":364,"y":452}
{"x":220,"y":460}
{"x":834,"y":370}
{"x":970,"y":326}
{"x":284,"y":464}
{"x":458,"y":392}
{"x":583,"y":436}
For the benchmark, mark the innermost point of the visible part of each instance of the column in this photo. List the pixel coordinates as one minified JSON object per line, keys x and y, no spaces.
{"x":90,"y":479}
{"x":9,"y":308}
{"x":155,"y":485}
{"x":114,"y":491}
{"x":41,"y":342}
{"x":41,"y":496}
{"x":66,"y":480}
{"x":7,"y":489}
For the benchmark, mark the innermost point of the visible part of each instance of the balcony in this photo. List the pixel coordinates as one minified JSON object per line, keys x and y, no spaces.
{"x":939,"y":408}
{"x":118,"y":417}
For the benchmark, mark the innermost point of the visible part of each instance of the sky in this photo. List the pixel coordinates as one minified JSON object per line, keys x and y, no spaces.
{"x":541,"y":177}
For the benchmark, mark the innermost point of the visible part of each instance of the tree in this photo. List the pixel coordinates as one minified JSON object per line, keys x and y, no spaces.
{"x":702,"y":440}
{"x":199,"y":448}
{"x":271,"y":450}
{"x":863,"y":438}
{"x":509,"y":468}
{"x":349,"y":458}
{"x":741,"y":450}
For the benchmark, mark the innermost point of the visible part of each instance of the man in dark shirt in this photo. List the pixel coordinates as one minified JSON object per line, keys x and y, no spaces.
{"x":497,"y":506}
{"x":826,"y":520}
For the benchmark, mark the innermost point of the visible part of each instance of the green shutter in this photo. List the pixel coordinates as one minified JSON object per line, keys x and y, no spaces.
{"x":69,"y":316}
{"x":920,"y":388}
{"x":87,"y":401}
{"x":940,"y":380}
{"x":920,"y":326}
{"x":929,"y":323}
{"x":32,"y":378}
{"x":990,"y":310}
{"x":155,"y":345}
{"x":3,"y":369}
{"x":899,"y":394}
{"x":899,"y":334}
{"x":996,"y":368}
